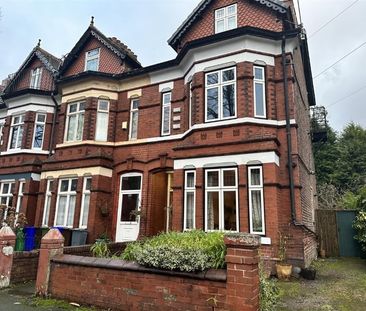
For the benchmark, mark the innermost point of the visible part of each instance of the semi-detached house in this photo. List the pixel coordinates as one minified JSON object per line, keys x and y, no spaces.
{"x":215,"y":139}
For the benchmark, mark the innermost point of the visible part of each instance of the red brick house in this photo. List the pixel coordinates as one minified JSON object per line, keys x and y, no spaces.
{"x":215,"y":139}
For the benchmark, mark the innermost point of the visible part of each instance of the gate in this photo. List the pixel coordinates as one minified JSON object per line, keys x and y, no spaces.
{"x":348,"y":246}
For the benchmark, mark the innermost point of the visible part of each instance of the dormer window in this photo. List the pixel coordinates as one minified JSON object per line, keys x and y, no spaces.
{"x":35,"y":81}
{"x":226,"y":18}
{"x":92,"y":60}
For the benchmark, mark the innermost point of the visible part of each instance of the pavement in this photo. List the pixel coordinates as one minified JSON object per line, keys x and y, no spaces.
{"x":13,"y":298}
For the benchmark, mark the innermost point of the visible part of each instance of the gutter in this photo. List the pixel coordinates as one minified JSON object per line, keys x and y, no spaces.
{"x":53,"y":124}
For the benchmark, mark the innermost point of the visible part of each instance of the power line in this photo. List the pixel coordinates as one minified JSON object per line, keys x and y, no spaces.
{"x":349,"y":95}
{"x":339,"y":60}
{"x":332,"y":19}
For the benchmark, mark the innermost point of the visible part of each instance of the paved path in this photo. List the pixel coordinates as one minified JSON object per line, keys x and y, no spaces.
{"x":12,"y":299}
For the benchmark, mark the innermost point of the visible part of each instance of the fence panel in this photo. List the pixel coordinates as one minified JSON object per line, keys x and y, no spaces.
{"x":326,"y":228}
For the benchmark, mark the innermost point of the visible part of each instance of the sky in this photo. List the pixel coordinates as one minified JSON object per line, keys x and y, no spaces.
{"x":146,"y":25}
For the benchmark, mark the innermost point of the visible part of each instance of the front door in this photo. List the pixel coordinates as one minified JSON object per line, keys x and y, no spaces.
{"x":128,"y":219}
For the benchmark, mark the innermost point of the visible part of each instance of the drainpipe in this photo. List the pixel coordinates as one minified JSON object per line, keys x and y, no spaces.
{"x":288,"y":132}
{"x":53,"y":124}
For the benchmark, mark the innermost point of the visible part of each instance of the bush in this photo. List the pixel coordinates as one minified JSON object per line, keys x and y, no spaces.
{"x":187,"y":251}
{"x":269,"y":292}
{"x":360,"y":225}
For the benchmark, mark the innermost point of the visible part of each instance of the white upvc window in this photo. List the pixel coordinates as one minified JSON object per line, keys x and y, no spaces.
{"x":221,"y":199}
{"x":221,"y":95}
{"x":259,"y":92}
{"x":92,"y":60}
{"x":75,"y":121}
{"x":101,"y":133}
{"x":134,"y":117}
{"x":256,"y":200}
{"x":20,"y":197}
{"x":190,"y":105}
{"x":66,"y":199}
{"x":166,"y":114}
{"x":6,"y":195}
{"x":16,"y":132}
{"x":190,"y":200}
{"x":226,"y":18}
{"x":35,"y":80}
{"x":47,"y":203}
{"x":85,"y":202}
{"x":39,"y":129}
{"x":1,"y":133}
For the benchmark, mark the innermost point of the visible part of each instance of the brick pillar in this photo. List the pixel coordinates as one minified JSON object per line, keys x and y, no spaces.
{"x":52,"y":244}
{"x":7,"y":243}
{"x":242,"y":272}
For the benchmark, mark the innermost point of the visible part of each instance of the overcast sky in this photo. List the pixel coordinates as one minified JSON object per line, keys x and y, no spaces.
{"x":146,"y":25}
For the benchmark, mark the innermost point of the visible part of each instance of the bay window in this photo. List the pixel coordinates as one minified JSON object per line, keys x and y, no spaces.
{"x":259,"y":92}
{"x":256,"y":201}
{"x":190,"y":200}
{"x":226,"y":18}
{"x":6,"y":195}
{"x":16,"y":132}
{"x":221,"y":199}
{"x":134,"y":117}
{"x":75,"y":121}
{"x":221,"y":95}
{"x":47,"y":203}
{"x":92,"y":60}
{"x":102,"y":120}
{"x":39,"y":129}
{"x":84,"y":214}
{"x":66,"y":199}
{"x":166,"y":114}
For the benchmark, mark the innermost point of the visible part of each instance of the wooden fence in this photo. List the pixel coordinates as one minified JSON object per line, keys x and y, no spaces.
{"x":327,"y":230}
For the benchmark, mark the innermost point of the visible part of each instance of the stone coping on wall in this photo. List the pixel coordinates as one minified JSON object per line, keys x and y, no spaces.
{"x":217,"y":275}
{"x":26,"y":254}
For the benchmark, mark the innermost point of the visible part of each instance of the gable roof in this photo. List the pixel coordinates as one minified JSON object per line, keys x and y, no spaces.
{"x":50,"y":62}
{"x":115,"y":45}
{"x":276,"y":5}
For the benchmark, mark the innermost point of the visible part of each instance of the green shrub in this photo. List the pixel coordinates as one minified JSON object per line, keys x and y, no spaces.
{"x":269,"y":292}
{"x":187,"y":251}
{"x":100,"y":249}
{"x":360,"y":225}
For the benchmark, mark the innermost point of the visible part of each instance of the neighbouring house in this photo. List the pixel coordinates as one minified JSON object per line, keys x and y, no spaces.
{"x":216,"y":139}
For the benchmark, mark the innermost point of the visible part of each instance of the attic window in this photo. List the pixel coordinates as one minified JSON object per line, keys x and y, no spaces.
{"x":35,"y":81}
{"x":226,"y":18}
{"x":92,"y":60}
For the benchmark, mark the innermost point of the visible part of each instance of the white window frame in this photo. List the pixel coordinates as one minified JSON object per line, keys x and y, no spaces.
{"x":220,"y":85}
{"x":263,"y":83}
{"x":98,"y":127}
{"x":256,"y":188}
{"x":132,"y":112}
{"x":39,"y":123}
{"x":77,"y":113}
{"x":190,"y":105}
{"x":90,"y":58}
{"x":221,"y":189}
{"x":14,"y":125}
{"x":85,"y":193}
{"x":186,"y":191}
{"x":225,"y":17}
{"x":166,"y":104}
{"x":1,"y":132}
{"x":47,"y":203}
{"x":35,"y":80}
{"x":8,"y":195}
{"x":122,"y":192}
{"x":20,"y":197}
{"x":68,"y":194}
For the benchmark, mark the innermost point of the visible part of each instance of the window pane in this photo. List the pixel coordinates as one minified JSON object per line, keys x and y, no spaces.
{"x":190,"y":180}
{"x":166,"y":98}
{"x":103,"y":105}
{"x":102,"y":126}
{"x":231,"y":22}
{"x":131,"y":183}
{"x":70,"y":216}
{"x":259,"y":99}
{"x":228,"y":101}
{"x":64,"y":185}
{"x":212,"y":103}
{"x":231,"y":9}
{"x":220,"y":26}
{"x":255,"y":177}
{"x":220,"y":13}
{"x":81,"y":106}
{"x":93,"y":52}
{"x":257,"y":211}
{"x":47,"y":211}
{"x":135,"y":104}
{"x":79,"y":134}
{"x":166,"y":119}
{"x":212,"y":210}
{"x":14,"y":138}
{"x":189,"y":210}
{"x":92,"y":64}
{"x":88,"y":183}
{"x":60,"y":217}
{"x":73,"y":108}
{"x":84,"y":220}
{"x":6,"y":188}
{"x":213,"y":179}
{"x":38,"y":136}
{"x":71,"y":128}
{"x":212,"y":78}
{"x":74,"y":183}
{"x":130,"y":203}
{"x":228,"y":75}
{"x":134,"y":120}
{"x":230,"y":210}
{"x":41,"y":118}
{"x":258,"y":73}
{"x":20,"y":137}
{"x":229,"y":178}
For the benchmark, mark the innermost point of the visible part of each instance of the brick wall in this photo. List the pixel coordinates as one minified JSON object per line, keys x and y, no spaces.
{"x":25,"y":266}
